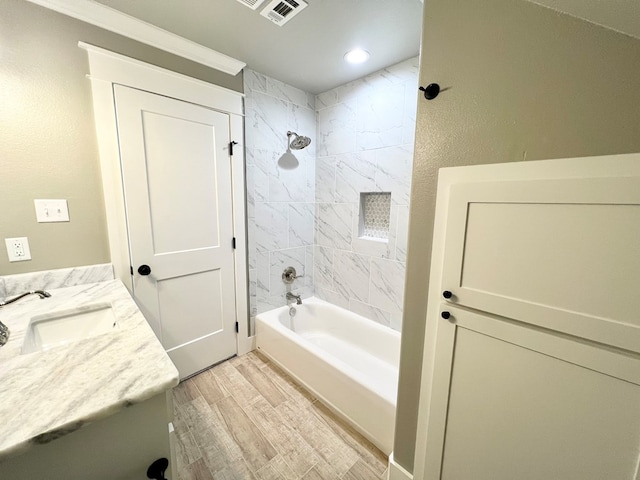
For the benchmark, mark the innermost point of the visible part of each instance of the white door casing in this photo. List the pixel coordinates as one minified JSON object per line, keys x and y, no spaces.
{"x":108,"y":69}
{"x":536,"y":373}
{"x":177,"y":181}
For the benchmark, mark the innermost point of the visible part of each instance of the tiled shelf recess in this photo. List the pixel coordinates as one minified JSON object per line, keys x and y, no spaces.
{"x":375,"y":210}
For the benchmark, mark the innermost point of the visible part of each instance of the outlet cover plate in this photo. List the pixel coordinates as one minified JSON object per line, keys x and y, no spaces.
{"x":51,"y":210}
{"x":18,"y":249}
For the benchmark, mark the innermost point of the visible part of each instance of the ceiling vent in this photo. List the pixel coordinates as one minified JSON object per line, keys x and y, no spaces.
{"x":252,"y":4}
{"x":281,"y":11}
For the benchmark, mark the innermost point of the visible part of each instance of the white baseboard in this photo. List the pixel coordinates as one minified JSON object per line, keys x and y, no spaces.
{"x":396,"y":472}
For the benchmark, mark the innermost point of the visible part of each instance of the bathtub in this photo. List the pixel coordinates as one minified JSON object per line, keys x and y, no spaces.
{"x":349,"y":362}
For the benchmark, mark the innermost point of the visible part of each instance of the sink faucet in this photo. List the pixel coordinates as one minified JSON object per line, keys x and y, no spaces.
{"x":4,"y":330}
{"x":291,"y":296}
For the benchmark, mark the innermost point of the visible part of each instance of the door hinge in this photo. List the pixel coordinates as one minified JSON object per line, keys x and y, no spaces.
{"x":233,"y":243}
{"x":231,"y":144}
{"x":131,"y":269}
{"x":237,"y":328}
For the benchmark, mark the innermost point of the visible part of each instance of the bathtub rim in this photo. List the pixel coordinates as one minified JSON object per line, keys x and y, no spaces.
{"x":335,"y":362}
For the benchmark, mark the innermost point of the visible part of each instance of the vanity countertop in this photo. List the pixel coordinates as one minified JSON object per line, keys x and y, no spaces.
{"x":46,"y":395}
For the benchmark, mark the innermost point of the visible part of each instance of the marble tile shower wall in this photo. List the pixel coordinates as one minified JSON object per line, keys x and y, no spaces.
{"x":280,"y":199}
{"x":365,"y":143}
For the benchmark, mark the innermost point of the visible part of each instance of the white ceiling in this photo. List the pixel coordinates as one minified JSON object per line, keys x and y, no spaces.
{"x":308,"y":51}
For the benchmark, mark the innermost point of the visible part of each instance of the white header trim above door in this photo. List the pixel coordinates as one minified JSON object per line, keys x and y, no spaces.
{"x":128,"y":26}
{"x":115,"y":68}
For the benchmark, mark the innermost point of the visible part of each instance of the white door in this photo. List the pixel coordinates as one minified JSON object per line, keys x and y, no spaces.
{"x":177,"y":181}
{"x":536,"y":372}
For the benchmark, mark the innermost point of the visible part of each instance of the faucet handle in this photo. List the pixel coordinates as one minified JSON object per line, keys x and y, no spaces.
{"x":289,"y":275}
{"x":4,"y":334}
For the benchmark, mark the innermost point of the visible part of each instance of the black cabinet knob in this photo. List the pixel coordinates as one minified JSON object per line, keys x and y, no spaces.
{"x":447,"y":294}
{"x":144,"y":269}
{"x":445,"y":315}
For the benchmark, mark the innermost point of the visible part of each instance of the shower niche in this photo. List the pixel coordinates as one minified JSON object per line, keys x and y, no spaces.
{"x":375,"y":216}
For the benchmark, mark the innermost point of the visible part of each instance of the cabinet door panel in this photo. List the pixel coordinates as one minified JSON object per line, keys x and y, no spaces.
{"x":562,"y":255}
{"x":515,"y":401}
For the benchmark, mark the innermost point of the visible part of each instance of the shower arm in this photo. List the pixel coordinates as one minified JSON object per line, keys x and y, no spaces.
{"x":289,"y":134}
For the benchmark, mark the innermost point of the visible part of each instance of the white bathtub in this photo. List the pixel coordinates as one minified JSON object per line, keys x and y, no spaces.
{"x":347,"y":361}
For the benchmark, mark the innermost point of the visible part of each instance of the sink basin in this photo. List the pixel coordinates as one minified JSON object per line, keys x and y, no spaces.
{"x":60,"y":328}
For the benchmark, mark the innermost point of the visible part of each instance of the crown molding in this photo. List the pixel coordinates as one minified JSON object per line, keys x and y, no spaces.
{"x":128,"y":26}
{"x":114,"y":68}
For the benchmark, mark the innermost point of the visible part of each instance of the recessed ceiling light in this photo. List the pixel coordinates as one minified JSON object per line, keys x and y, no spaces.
{"x":357,"y":55}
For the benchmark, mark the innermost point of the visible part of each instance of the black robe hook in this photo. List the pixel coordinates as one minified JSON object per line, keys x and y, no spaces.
{"x":431,"y":91}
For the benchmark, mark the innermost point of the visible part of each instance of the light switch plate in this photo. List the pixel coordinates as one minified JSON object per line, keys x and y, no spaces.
{"x":51,"y":210}
{"x":18,"y":249}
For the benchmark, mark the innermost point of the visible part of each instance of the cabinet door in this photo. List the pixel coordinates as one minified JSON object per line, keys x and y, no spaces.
{"x":512,"y":401}
{"x":560,"y":254}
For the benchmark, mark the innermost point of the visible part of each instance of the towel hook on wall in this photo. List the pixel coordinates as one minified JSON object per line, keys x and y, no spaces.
{"x":431,"y":91}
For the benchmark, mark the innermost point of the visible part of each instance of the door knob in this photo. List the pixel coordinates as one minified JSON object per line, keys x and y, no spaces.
{"x":445,"y":315}
{"x":447,"y":294}
{"x":156,"y":469}
{"x":144,"y":269}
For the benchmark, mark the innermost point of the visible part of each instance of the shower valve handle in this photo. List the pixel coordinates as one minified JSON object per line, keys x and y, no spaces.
{"x":289,"y":275}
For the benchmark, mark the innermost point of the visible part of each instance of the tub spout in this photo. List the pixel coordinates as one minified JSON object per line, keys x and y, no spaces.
{"x":291,"y":296}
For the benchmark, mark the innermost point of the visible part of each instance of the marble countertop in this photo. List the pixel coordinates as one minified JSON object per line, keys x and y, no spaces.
{"x":46,"y":395}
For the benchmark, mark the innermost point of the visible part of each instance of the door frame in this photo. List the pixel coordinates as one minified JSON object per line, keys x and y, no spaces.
{"x":106,"y":69}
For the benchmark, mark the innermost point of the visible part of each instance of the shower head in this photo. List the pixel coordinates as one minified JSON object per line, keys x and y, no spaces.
{"x":299,"y":142}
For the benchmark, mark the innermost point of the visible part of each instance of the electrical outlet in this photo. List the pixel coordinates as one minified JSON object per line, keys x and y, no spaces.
{"x":18,"y":249}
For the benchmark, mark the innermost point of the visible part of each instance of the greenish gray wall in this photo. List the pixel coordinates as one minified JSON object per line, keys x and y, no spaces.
{"x":48,"y":146}
{"x":525,"y":83}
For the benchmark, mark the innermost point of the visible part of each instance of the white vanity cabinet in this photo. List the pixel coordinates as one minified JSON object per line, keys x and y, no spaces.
{"x":98,"y":407}
{"x":532,"y":364}
{"x":121,"y":446}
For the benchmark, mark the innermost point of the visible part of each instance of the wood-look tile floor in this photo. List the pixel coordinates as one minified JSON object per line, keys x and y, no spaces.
{"x":247,"y":419}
